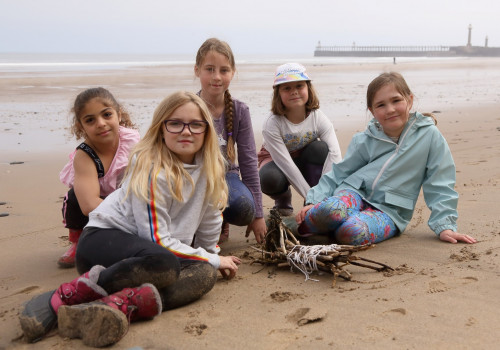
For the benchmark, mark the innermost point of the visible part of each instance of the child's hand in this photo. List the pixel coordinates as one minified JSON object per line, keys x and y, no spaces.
{"x":259,"y":228}
{"x":302,"y":213}
{"x":228,"y":266}
{"x":454,"y":237}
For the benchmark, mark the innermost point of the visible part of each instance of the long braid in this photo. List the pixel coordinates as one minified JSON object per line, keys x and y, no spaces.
{"x":229,"y":111}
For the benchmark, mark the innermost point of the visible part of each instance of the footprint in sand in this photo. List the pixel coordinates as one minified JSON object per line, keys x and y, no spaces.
{"x":470,"y":279}
{"x":195,"y":328}
{"x":437,"y":287}
{"x":280,"y":297}
{"x":465,"y":255}
{"x":304,"y":315}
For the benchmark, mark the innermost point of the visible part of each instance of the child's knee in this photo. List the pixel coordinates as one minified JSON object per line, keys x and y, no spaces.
{"x":325,"y":217}
{"x":240,"y":212}
{"x":353,"y":231}
{"x":272,"y":179}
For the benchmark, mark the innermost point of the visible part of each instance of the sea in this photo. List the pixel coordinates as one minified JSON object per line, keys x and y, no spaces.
{"x":341,"y":91}
{"x":51,"y":62}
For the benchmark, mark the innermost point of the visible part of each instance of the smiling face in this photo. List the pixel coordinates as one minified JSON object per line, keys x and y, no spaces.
{"x":294,"y":95}
{"x":391,"y":109}
{"x":185,"y":144}
{"x":100,"y":122}
{"x":215,"y":73}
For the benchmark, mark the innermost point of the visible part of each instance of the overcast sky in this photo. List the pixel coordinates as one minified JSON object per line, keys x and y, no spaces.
{"x":250,"y":26}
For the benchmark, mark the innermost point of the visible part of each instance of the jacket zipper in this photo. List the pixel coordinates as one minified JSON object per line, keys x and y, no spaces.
{"x":386,"y":164}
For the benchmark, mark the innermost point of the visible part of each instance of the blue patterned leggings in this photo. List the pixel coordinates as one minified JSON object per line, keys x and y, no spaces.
{"x":349,"y":219}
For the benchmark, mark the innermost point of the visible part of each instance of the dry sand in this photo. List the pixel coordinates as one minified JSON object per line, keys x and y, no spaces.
{"x":441,"y":296}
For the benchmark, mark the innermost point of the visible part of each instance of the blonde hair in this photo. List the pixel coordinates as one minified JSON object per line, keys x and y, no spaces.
{"x":223,"y":48}
{"x":107,"y":99}
{"x":152,"y":156}
{"x":278,"y":108}
{"x":399,"y":84}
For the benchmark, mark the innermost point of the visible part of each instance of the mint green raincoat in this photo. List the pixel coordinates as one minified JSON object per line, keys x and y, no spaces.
{"x":389,"y":175}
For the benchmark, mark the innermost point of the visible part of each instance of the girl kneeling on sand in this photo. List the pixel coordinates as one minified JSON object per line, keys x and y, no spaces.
{"x":96,"y":167}
{"x":215,"y":67}
{"x":152,"y":242}
{"x":370,"y":196}
{"x":299,"y":140}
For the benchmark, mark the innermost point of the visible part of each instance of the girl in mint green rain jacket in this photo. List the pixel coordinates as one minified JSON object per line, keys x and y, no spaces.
{"x":370,"y":196}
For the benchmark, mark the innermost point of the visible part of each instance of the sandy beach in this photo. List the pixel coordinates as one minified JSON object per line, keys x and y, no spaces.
{"x":440,"y":296}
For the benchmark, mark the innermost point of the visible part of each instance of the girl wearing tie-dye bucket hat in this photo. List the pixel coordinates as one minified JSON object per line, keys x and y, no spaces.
{"x":299,"y":140}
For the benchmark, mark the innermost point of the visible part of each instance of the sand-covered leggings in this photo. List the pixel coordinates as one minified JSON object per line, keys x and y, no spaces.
{"x":131,"y":261}
{"x":349,"y":219}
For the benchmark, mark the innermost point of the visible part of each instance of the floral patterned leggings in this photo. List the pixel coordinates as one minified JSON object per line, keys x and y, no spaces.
{"x":349,"y":219}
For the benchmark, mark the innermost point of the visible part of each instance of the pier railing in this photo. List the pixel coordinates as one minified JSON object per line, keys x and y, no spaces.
{"x":382,"y":48}
{"x":384,"y":51}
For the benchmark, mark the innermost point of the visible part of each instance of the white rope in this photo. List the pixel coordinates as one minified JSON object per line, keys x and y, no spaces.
{"x":304,"y":257}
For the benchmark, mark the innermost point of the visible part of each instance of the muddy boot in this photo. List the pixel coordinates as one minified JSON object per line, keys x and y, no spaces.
{"x":67,"y":260}
{"x":283,"y":202}
{"x":39,"y":315}
{"x":105,"y":321}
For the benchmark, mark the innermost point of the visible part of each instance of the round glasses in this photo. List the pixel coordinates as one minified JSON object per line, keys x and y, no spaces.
{"x":176,"y":126}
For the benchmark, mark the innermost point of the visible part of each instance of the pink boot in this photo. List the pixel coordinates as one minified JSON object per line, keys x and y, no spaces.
{"x":39,"y":315}
{"x":67,"y":260}
{"x":105,"y":321}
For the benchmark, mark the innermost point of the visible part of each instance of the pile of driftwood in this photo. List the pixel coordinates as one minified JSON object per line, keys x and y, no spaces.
{"x":282,"y":248}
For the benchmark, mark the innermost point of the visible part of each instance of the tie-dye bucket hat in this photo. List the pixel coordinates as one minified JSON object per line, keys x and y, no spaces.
{"x":289,"y":72}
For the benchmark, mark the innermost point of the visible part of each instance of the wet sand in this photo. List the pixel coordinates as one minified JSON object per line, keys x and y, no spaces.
{"x":441,"y":296}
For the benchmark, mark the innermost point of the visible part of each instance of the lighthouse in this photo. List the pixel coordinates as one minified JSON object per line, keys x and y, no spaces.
{"x":470,"y":35}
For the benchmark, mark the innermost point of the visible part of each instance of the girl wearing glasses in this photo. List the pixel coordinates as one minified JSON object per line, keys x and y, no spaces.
{"x":156,"y":236}
{"x":215,"y":67}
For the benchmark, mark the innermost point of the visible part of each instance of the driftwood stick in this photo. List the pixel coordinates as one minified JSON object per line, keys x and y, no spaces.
{"x":282,"y":240}
{"x":367,"y":266}
{"x":375,"y":262}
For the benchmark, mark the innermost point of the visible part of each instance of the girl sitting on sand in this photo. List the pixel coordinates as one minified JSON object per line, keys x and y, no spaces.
{"x":96,"y":167}
{"x":215,"y":67}
{"x":299,"y":140}
{"x":152,"y":244}
{"x":370,"y":196}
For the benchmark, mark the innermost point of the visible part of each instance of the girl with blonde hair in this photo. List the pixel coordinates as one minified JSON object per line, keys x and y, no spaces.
{"x":152,"y":244}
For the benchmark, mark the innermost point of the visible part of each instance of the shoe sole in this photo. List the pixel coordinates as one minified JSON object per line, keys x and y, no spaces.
{"x":37,"y":317}
{"x":65,"y":265}
{"x":97,"y":325}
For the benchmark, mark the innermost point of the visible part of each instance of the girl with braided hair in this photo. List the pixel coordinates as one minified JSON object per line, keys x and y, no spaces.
{"x":215,"y":67}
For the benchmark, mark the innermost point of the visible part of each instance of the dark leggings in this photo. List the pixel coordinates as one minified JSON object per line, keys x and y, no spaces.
{"x":131,"y":261}
{"x":310,"y":163}
{"x":73,"y":218}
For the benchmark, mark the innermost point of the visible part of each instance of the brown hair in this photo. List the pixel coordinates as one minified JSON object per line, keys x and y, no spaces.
{"x":399,"y":84}
{"x":278,"y":108}
{"x":106,"y":98}
{"x":219,"y":46}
